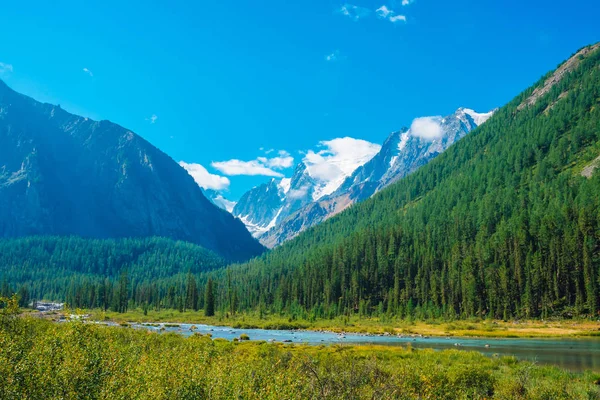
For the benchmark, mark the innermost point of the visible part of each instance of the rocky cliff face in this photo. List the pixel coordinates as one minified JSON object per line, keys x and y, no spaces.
{"x":260,"y":207}
{"x":402,"y":153}
{"x":61,"y":174}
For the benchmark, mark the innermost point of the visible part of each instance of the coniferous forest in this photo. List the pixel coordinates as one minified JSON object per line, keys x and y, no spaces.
{"x":103,"y":273}
{"x":503,"y":224}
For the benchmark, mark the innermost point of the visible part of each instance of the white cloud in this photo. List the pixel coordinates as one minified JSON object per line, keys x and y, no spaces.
{"x":239,"y":167}
{"x":298,"y":193}
{"x":277,"y":162}
{"x":87,"y":71}
{"x":339,"y":158}
{"x":398,"y":18}
{"x":354,"y":12}
{"x":152,"y":119}
{"x":383,"y":12}
{"x":428,"y":128}
{"x":339,"y":155}
{"x":333,"y":56}
{"x":5,"y":68}
{"x":205,"y":179}
{"x":265,"y":166}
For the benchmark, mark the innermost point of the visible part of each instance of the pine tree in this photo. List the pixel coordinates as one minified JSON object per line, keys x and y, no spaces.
{"x":209,"y":300}
{"x":123,"y":291}
{"x":191,"y":296}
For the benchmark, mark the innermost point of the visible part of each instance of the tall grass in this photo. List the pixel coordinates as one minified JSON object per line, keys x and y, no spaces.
{"x":44,"y":360}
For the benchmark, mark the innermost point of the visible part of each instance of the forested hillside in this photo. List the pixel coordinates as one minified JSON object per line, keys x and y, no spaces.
{"x":100,"y":273}
{"x":503,"y":224}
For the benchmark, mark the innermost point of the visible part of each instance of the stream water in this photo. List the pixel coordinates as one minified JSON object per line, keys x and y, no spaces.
{"x":567,"y":353}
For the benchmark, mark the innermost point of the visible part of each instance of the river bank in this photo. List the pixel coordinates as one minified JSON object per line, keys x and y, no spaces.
{"x":460,"y":328}
{"x":573,"y":354}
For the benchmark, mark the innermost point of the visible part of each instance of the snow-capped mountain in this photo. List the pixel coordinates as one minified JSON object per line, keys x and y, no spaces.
{"x":311,"y":201}
{"x":262,"y":208}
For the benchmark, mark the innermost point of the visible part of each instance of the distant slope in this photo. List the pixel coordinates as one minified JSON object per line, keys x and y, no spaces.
{"x":61,"y":174}
{"x":49,"y":267}
{"x":501,"y":224}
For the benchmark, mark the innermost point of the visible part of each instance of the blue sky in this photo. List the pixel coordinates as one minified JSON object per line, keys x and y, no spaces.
{"x":210,"y":81}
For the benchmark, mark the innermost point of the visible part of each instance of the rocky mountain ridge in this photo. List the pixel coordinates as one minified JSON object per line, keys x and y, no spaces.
{"x":62,"y":174}
{"x":402,"y":153}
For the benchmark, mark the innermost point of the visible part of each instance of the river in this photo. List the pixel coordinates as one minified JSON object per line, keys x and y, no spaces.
{"x":568,"y":353}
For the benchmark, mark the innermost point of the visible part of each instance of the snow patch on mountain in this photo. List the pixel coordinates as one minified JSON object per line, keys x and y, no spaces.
{"x":255,"y":229}
{"x":223,"y":203}
{"x":217,"y":199}
{"x":274,"y":220}
{"x":479,"y":118}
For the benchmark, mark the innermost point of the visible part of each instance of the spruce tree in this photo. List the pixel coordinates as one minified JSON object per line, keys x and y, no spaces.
{"x":191,"y":296}
{"x":209,"y":301}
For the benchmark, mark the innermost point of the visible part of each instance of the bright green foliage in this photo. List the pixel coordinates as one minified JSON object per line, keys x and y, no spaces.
{"x":500,"y":225}
{"x":44,"y":360}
